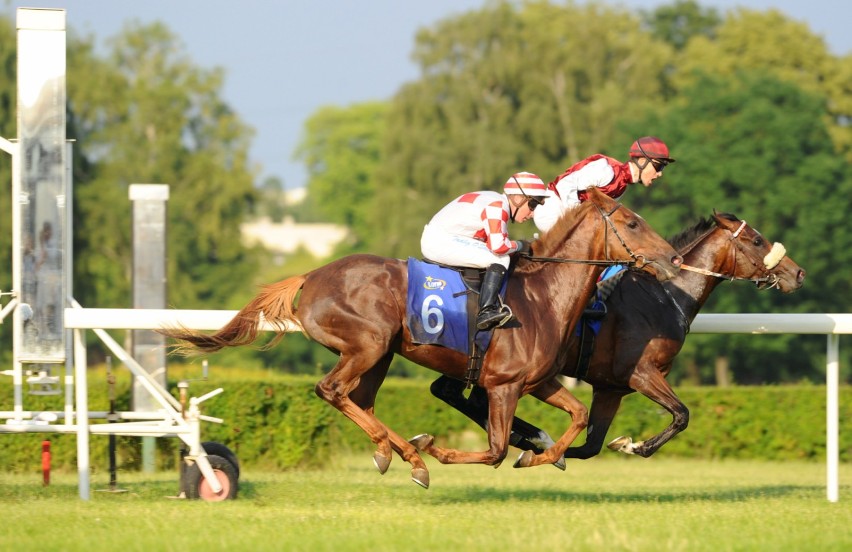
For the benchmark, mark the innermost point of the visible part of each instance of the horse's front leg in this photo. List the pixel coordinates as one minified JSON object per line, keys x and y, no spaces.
{"x":502,"y":402}
{"x":653,"y":385}
{"x":553,"y":393}
{"x":605,"y":405}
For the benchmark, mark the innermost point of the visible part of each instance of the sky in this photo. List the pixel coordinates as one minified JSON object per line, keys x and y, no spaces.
{"x":285,"y":59}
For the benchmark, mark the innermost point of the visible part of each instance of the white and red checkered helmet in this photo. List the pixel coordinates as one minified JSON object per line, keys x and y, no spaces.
{"x":525,"y":183}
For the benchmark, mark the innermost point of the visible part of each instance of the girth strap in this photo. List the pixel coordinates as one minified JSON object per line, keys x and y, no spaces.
{"x":473,"y":279}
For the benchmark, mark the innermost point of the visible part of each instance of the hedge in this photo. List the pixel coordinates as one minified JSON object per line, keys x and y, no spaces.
{"x":284,"y":425}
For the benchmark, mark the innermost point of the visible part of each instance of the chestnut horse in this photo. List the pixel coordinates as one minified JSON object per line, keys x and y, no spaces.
{"x":356,"y":307}
{"x":644,"y":330}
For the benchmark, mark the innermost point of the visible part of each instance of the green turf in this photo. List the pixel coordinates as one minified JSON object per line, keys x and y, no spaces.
{"x":614,"y":503}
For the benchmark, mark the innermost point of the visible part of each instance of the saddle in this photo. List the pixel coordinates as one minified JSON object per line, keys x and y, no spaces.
{"x":455,"y":318}
{"x":593,"y":316}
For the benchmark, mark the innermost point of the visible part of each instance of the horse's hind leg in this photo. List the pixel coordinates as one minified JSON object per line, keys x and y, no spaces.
{"x":554,"y":394}
{"x":364,"y":395}
{"x":337,"y":386}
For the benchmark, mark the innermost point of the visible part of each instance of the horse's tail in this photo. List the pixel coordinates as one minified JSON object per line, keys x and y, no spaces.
{"x":274,"y":305}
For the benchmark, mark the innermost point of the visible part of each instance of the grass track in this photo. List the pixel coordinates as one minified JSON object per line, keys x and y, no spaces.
{"x":659,"y":504}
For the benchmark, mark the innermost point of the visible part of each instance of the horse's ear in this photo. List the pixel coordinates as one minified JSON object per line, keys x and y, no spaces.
{"x":725,"y":220}
{"x":717,"y":218}
{"x":598,"y":197}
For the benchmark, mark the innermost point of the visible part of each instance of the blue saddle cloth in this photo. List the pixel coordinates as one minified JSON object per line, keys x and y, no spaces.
{"x":436,"y":308}
{"x":598,"y":302}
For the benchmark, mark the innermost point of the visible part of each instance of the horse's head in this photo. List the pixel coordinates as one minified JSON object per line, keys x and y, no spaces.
{"x":627,"y":238}
{"x":757,"y":259}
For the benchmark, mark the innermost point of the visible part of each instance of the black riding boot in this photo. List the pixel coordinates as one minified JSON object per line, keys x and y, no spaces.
{"x":491,"y":312}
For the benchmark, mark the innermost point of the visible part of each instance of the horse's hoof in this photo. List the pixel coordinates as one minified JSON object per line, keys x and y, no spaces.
{"x":525,"y":459}
{"x":421,"y":477}
{"x":382,"y":463}
{"x":621,"y":444}
{"x":422,"y":441}
{"x":560,"y":463}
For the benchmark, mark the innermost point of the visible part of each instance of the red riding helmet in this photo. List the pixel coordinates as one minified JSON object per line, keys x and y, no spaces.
{"x":652,"y":148}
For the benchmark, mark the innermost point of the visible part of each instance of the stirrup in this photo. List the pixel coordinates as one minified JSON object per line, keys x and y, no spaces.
{"x":501,"y":316}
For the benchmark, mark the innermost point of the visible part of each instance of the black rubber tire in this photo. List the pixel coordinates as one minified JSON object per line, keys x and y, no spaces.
{"x":197,"y":486}
{"x":212,"y":447}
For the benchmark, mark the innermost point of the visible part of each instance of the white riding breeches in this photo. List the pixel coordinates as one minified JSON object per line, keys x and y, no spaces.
{"x":457,"y":250}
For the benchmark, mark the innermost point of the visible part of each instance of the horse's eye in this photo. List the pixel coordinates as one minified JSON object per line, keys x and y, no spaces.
{"x":758,"y":241}
{"x":633,"y":224}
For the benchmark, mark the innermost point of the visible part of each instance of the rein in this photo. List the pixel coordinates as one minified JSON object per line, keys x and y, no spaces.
{"x":595,"y":262}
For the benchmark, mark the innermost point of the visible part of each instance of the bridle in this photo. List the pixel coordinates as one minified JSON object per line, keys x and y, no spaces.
{"x":766,"y":282}
{"x":608,"y":225}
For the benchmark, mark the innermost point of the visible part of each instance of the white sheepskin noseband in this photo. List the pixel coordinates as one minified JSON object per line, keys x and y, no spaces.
{"x":774,"y":257}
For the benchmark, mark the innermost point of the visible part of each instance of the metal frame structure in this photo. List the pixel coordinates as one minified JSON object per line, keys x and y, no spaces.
{"x":41,"y":72}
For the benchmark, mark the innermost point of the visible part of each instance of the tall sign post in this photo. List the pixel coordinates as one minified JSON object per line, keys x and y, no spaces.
{"x":149,"y":292}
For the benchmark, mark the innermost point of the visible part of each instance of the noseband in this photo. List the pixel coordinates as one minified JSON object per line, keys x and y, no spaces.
{"x":770,"y":261}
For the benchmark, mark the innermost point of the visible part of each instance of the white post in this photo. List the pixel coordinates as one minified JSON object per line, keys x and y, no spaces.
{"x":82,"y":393}
{"x":832,"y":408}
{"x":69,"y":284}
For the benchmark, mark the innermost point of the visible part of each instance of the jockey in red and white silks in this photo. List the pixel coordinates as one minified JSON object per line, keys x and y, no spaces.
{"x":648,"y":158}
{"x":472,"y":230}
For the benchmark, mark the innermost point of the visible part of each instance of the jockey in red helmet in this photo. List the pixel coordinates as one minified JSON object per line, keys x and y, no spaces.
{"x":648,"y":157}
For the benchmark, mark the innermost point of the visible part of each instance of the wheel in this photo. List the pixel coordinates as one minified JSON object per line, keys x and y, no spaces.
{"x":212,"y":447}
{"x":198,"y":487}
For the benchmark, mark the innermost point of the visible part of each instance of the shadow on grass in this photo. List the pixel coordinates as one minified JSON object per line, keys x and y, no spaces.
{"x":478,"y":494}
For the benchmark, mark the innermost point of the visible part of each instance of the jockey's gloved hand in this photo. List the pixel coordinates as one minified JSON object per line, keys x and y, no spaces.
{"x":524,"y":247}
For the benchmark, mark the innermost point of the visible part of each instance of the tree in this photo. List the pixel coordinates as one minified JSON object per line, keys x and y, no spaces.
{"x":787,"y":49}
{"x":8,"y":110}
{"x":146,"y":114}
{"x":341,"y":148}
{"x":504,"y":89}
{"x":680,"y":22}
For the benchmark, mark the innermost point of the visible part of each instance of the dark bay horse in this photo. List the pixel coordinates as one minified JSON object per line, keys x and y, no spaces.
{"x":645,"y":328}
{"x":356,"y":308}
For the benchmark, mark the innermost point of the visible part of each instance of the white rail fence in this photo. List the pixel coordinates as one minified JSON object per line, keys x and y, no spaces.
{"x":831,"y":325}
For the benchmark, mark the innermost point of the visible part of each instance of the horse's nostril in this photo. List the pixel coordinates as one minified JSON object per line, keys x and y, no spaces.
{"x":677,"y":260}
{"x":800,"y":277}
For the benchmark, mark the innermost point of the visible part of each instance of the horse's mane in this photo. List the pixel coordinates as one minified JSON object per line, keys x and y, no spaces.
{"x":688,"y":236}
{"x":555,"y":236}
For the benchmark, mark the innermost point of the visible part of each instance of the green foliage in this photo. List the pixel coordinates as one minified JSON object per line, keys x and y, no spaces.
{"x":341,"y":149}
{"x":681,"y":21}
{"x":769,"y":41}
{"x":507,"y":89}
{"x":778,"y":423}
{"x":281,"y":424}
{"x":8,"y":111}
{"x":165,"y":123}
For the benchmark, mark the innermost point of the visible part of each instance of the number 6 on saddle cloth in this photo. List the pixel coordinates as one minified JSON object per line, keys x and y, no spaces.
{"x":437,"y":307}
